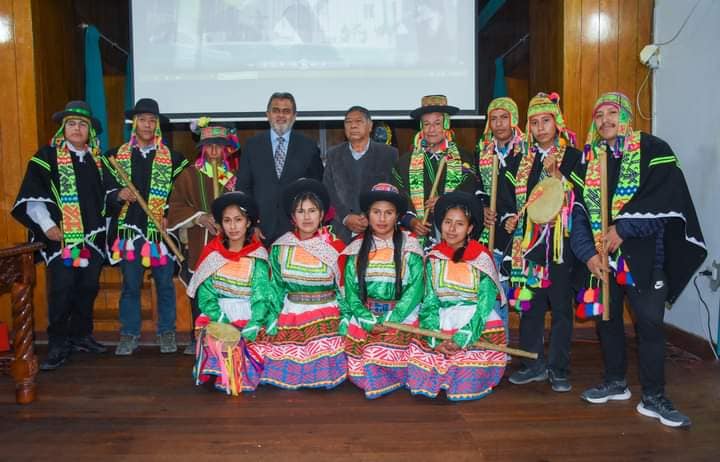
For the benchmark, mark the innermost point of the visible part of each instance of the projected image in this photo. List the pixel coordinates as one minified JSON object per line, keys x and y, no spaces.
{"x":294,"y":40}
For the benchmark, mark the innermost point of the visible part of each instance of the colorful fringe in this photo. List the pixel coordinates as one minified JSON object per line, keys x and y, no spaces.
{"x":467,"y":375}
{"x":234,"y":369}
{"x":307,"y":351}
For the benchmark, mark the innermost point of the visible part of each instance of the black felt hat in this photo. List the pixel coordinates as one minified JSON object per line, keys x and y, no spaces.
{"x":434,"y":103}
{"x":384,"y":192}
{"x":146,"y":106}
{"x":244,"y":201}
{"x":469,"y":202}
{"x":79,"y":109}
{"x":303,"y":185}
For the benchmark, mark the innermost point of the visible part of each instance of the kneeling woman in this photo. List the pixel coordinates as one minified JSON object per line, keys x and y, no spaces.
{"x":304,"y":349}
{"x":462,"y":286}
{"x":383,"y":282}
{"x":233,"y":290}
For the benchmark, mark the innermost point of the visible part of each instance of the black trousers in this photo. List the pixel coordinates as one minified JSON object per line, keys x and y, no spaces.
{"x":532,"y":323}
{"x":71,"y":296}
{"x":648,"y":307}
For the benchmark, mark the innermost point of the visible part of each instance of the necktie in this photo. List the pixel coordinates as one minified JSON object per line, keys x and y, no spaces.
{"x":279,"y":156}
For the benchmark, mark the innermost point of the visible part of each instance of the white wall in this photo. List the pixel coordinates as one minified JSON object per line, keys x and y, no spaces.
{"x":686,"y":101}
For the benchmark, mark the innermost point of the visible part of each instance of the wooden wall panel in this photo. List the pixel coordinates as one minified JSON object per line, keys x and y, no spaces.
{"x":546,"y":52}
{"x":601,"y":43}
{"x":18,"y":124}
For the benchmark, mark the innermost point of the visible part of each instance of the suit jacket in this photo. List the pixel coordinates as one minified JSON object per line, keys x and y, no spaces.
{"x":345,"y":178}
{"x":257,"y":177}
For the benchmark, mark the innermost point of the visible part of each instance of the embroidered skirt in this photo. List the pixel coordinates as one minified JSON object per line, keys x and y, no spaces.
{"x":307,"y":351}
{"x":469,"y":374}
{"x":377,"y":363}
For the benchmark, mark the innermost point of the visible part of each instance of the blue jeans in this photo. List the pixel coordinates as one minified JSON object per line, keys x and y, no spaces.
{"x":130,"y":321}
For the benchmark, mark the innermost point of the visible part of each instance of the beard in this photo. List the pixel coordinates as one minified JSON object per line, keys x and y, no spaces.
{"x":281,"y":129}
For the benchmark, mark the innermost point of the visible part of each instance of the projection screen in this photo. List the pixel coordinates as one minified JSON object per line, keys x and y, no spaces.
{"x":225,"y":57}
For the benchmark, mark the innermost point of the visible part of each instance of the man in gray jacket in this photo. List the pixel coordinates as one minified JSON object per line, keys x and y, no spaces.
{"x":354,"y":167}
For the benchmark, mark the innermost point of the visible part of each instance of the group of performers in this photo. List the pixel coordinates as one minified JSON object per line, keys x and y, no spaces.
{"x":420,"y":298}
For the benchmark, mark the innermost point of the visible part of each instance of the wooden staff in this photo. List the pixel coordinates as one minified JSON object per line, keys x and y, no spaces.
{"x":493,"y":201}
{"x":216,"y":184}
{"x":436,"y":183}
{"x":603,"y":247}
{"x":143,"y":205}
{"x":442,"y":336}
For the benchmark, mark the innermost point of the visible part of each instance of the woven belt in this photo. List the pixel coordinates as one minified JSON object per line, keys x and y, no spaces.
{"x":380,"y":307}
{"x":312,"y":298}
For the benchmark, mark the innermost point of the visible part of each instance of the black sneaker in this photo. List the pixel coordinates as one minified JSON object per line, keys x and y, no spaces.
{"x":615,"y":390}
{"x":660,"y":407}
{"x":528,"y":374}
{"x":560,"y":383}
{"x":87,"y":344}
{"x":55,"y":358}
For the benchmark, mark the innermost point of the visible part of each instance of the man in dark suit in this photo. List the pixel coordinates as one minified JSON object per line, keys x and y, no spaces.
{"x":272,"y":160}
{"x":353,"y":167}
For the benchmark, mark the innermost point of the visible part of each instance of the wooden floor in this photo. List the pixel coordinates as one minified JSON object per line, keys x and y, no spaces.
{"x":146,"y":408}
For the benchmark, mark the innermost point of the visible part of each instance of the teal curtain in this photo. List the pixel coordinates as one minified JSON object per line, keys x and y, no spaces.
{"x":94,"y":84}
{"x":129,"y":96}
{"x":499,"y":86}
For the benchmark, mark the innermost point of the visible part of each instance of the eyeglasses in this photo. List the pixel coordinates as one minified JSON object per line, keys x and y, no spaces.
{"x":283,"y":111}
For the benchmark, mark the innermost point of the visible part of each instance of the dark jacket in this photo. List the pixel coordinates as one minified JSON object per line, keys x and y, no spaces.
{"x":345,"y":178}
{"x":256,"y":176}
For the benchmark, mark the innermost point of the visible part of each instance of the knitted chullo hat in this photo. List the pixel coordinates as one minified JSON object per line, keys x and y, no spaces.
{"x":544,"y":103}
{"x":505,"y":104}
{"x":622,"y":103}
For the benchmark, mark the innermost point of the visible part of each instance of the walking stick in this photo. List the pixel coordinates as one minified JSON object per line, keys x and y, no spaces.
{"x":603,"y":247}
{"x":216,"y":185}
{"x":493,"y":201}
{"x":143,"y":205}
{"x":442,"y":336}
{"x":436,"y":183}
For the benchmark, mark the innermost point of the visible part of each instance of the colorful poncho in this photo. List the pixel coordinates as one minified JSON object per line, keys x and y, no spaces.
{"x":74,"y":196}
{"x":650,"y":185}
{"x":130,"y":223}
{"x":488,"y":149}
{"x":528,"y":273}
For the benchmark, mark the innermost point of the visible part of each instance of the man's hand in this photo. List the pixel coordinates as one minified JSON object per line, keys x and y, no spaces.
{"x":612,"y":239}
{"x":207,"y":221}
{"x":596,"y":267}
{"x":550,"y":165}
{"x":126,"y":195}
{"x":489,"y":217}
{"x":356,"y":223}
{"x":419,"y":228}
{"x":54,"y":234}
{"x":430,"y":205}
{"x":510,"y":224}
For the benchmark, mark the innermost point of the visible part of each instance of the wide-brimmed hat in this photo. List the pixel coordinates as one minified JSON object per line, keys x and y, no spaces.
{"x":80,"y":109}
{"x":469,"y":202}
{"x":384,"y":192}
{"x":146,"y":106}
{"x":243,"y":200}
{"x":303,"y":185}
{"x":434,"y":103}
{"x":214,"y":134}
